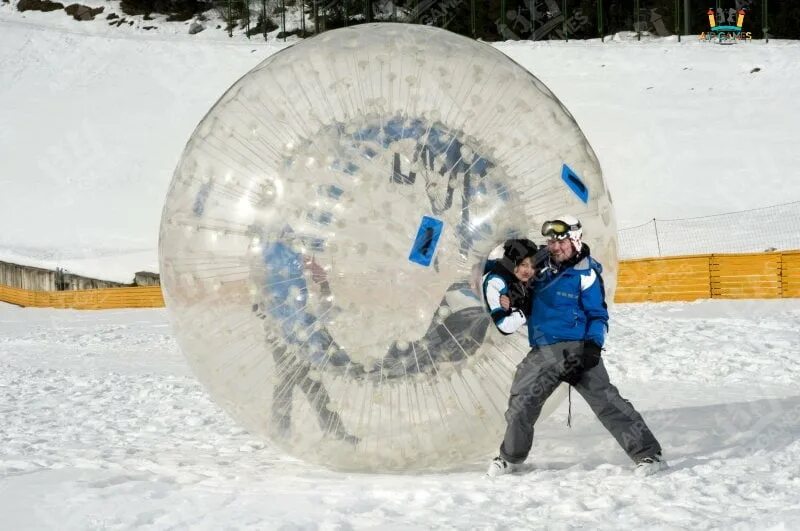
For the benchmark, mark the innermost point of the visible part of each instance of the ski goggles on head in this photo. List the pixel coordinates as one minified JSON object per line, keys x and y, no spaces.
{"x":557,"y":229}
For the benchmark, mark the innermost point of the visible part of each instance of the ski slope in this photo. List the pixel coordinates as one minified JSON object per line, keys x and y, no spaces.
{"x":104,"y":428}
{"x":93,"y":120}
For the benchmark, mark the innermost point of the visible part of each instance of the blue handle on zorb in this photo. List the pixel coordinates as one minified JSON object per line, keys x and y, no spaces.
{"x":426,"y":241}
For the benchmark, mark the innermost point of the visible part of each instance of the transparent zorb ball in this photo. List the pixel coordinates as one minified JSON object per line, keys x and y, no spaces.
{"x":325,"y":234}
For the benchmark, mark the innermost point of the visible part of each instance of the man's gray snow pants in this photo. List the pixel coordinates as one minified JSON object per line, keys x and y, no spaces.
{"x":537,"y":377}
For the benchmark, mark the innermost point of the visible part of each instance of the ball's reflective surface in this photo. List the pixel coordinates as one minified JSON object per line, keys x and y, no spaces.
{"x":325,"y":232}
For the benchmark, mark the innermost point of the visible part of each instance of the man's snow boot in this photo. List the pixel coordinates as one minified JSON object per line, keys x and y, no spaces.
{"x":499,"y":467}
{"x":647,"y":466}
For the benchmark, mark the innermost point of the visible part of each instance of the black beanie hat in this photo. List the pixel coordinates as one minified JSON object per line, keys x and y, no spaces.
{"x":517,"y":250}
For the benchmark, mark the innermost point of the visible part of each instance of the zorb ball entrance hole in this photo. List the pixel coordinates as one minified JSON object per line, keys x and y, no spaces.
{"x":326,"y":229}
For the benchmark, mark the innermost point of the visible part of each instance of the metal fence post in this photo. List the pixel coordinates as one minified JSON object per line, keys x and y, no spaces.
{"x":686,"y":19}
{"x":658,"y":241}
{"x":636,"y":20}
{"x":564,"y":24}
{"x":230,"y":19}
{"x":472,"y":21}
{"x":678,"y":19}
{"x":766,"y":18}
{"x":246,"y":13}
{"x":283,"y":19}
{"x":600,"y":20}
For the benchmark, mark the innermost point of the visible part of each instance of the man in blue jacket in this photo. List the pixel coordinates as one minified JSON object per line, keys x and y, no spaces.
{"x":566,"y":329}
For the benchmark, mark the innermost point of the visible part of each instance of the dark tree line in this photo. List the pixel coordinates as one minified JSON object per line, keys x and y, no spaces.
{"x":495,"y":19}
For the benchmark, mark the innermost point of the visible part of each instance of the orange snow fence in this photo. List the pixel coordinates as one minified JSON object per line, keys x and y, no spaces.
{"x":769,"y":275}
{"x":90,"y":299}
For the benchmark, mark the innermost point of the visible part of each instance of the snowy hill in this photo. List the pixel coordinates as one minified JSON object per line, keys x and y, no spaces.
{"x":93,"y":119}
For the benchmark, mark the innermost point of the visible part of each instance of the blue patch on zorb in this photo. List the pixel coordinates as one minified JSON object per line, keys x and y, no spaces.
{"x":575,"y":183}
{"x":426,"y":241}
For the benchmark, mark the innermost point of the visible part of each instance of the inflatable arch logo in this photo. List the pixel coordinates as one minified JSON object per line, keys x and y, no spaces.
{"x":729,"y":34}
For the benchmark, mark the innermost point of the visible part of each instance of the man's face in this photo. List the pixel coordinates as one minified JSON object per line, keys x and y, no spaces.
{"x":560,"y":250}
{"x":524,"y":271}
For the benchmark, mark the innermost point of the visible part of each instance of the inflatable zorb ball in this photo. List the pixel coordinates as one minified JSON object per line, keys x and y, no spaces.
{"x":326,"y":230}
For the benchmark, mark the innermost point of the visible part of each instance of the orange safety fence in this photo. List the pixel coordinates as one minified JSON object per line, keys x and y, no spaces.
{"x":90,"y":299}
{"x":713,"y":276}
{"x":681,"y":278}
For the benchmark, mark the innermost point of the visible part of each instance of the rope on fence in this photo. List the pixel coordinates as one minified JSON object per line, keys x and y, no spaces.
{"x":773,"y":228}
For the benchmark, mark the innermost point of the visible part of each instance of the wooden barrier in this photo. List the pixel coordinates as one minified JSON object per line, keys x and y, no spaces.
{"x":790,"y":274}
{"x":746,"y":277}
{"x":91,"y":299}
{"x":679,"y":278}
{"x":719,"y":276}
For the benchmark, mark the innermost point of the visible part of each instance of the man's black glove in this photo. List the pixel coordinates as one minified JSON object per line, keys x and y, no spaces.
{"x":575,"y":365}
{"x":591,"y":354}
{"x":519,"y":297}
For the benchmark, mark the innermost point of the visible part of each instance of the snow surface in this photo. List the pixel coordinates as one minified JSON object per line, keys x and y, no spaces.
{"x":105,"y":427}
{"x":94,"y":118}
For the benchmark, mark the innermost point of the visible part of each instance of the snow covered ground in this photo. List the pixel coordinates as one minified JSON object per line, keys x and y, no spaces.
{"x":93,"y":120}
{"x":103,"y":427}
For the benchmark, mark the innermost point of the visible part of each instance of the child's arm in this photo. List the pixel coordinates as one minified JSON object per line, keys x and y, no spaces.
{"x":506,"y":321}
